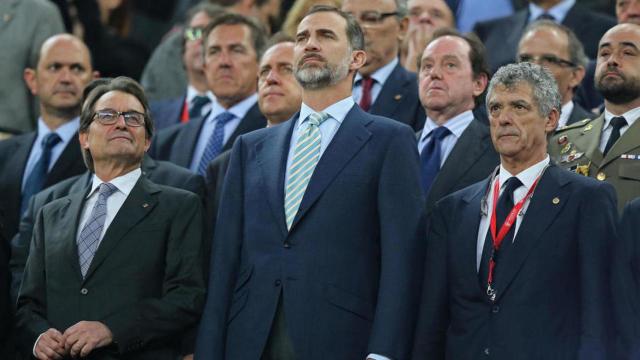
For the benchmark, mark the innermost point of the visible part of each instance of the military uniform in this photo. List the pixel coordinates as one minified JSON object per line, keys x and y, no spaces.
{"x":576,"y":147}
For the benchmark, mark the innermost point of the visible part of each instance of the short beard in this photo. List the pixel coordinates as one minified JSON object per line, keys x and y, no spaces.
{"x":313,"y":78}
{"x":69,"y":112}
{"x":619,"y":92}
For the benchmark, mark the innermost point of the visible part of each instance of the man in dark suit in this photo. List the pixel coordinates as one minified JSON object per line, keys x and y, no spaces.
{"x":517,"y":265}
{"x":196,"y":101}
{"x":320,"y":224}
{"x":129,"y":248}
{"x":33,"y":161}
{"x":455,"y":146}
{"x":232,"y":46}
{"x":557,"y":48}
{"x":382,"y":86}
{"x":501,"y":36}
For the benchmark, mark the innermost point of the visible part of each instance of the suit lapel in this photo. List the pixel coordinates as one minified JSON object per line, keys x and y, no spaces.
{"x":185,"y":143}
{"x":70,"y":158}
{"x":148,"y":166}
{"x":391,"y":94}
{"x":252,"y":120}
{"x":140,"y":202}
{"x":471,"y":215}
{"x":17,"y":163}
{"x":272,"y":154}
{"x":70,"y":220}
{"x":7,"y":9}
{"x":540,"y":214}
{"x":349,"y":139}
{"x":627,"y":142}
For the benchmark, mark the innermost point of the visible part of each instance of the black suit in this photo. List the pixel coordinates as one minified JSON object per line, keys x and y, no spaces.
{"x":177,"y":143}
{"x":471,"y":160}
{"x":14,"y":153}
{"x":398,"y":99}
{"x":145,"y":282}
{"x":501,"y":36}
{"x":553,"y":294}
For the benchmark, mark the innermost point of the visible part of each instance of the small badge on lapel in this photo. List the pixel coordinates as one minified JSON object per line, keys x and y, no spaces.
{"x":562,"y":140}
{"x":566,"y":148}
{"x":587,"y":128}
{"x":583,"y":169}
{"x":6,"y":17}
{"x":397,"y":97}
{"x":145,"y":205}
{"x":630,"y":156}
{"x":555,"y":201}
{"x":571,"y":156}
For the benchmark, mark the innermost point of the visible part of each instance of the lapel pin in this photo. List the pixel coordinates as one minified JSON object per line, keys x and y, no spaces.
{"x":562,"y":140}
{"x":566,"y":148}
{"x":6,"y":17}
{"x":398,"y":97}
{"x":587,"y":128}
{"x":555,"y":201}
{"x":145,"y":205}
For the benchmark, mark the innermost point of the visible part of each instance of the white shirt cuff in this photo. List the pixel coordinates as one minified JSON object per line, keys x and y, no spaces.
{"x":377,"y":357}
{"x":35,"y":344}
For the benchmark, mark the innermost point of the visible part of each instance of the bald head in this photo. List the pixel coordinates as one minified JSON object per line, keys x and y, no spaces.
{"x":62,"y":72}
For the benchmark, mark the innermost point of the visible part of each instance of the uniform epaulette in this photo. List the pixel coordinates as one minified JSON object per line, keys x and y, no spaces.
{"x":575,"y":125}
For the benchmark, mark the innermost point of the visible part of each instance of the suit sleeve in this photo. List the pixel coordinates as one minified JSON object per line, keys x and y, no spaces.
{"x":155,"y":319}
{"x":433,"y":319}
{"x":20,"y":248}
{"x":32,"y":301}
{"x":225,"y":258}
{"x":597,"y":236}
{"x":402,"y":232}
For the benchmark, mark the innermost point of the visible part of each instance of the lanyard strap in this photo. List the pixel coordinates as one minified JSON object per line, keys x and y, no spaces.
{"x":504,"y":229}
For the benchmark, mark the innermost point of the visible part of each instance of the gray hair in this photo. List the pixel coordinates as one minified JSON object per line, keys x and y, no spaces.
{"x":576,"y":49}
{"x":543,"y":85}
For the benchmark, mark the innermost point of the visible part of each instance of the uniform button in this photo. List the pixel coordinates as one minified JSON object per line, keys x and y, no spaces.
{"x":287,"y":245}
{"x":277,"y":283}
{"x":601,"y":176}
{"x":495,"y":309}
{"x":486,"y":351}
{"x":84,"y":291}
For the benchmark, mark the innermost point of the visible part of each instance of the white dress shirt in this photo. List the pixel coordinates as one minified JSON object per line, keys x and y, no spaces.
{"x":66,"y":132}
{"x":631,"y":116}
{"x":527,"y":177}
{"x":566,"y":111}
{"x":457,"y":125}
{"x":238,"y":110}
{"x":380,"y":76}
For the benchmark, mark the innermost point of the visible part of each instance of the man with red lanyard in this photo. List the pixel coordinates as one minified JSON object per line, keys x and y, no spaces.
{"x":517,"y":266}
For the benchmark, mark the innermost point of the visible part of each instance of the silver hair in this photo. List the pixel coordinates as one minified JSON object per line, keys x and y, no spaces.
{"x":543,"y":85}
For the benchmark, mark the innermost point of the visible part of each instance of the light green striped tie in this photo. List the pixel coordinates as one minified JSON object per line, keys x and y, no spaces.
{"x":305,"y":159}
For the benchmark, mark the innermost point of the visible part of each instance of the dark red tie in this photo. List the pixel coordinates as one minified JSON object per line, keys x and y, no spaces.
{"x":365,"y":100}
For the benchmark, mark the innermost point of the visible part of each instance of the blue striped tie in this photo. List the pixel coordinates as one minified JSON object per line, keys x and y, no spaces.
{"x":214,"y":145}
{"x":305,"y":159}
{"x":90,"y":235}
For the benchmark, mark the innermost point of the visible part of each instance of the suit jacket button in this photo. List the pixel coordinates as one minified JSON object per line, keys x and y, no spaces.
{"x":277,"y":283}
{"x":84,"y":291}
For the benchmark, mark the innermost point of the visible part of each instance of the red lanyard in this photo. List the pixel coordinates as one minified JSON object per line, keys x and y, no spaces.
{"x":504,"y":229}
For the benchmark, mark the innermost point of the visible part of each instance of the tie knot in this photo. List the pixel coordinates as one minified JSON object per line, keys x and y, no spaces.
{"x":618,"y":122}
{"x":107,"y":189}
{"x":200,"y":100}
{"x":50,"y":140}
{"x":224,"y":117}
{"x":511,"y":185}
{"x":440,"y":132}
{"x":367,"y":82}
{"x":316,"y":119}
{"x":546,"y":16}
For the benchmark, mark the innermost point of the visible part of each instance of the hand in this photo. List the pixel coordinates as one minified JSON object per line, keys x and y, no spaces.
{"x":50,"y":345}
{"x":85,"y":336}
{"x":188,"y":357}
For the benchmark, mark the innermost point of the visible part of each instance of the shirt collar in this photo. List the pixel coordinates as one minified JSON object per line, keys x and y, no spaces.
{"x":66,"y":131}
{"x":124,"y":183}
{"x":456,"y":124}
{"x":192,"y":92}
{"x":381,"y":75}
{"x":559,"y":11}
{"x":527,"y":176}
{"x":565,"y":112}
{"x":631,"y":116}
{"x":238,"y":110}
{"x":337,"y":111}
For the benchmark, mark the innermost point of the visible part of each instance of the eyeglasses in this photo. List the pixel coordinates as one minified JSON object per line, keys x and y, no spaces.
{"x":546,"y":60}
{"x":373,"y":17}
{"x":110,"y":117}
{"x":193,"y":33}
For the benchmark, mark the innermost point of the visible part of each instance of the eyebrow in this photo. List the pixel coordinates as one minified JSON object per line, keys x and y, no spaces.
{"x":622,"y":43}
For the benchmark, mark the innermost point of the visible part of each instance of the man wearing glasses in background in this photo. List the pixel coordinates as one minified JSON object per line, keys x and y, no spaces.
{"x":197,"y":100}
{"x":382,"y":86}
{"x":557,"y":48}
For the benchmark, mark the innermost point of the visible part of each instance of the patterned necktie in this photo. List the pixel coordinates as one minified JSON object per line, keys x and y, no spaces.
{"x":90,"y":235}
{"x":197,"y":104}
{"x":367,"y":85}
{"x":214,"y":145}
{"x":616,"y":123}
{"x":305,"y":159}
{"x":503,"y":207}
{"x":37,"y":177}
{"x":431,"y":157}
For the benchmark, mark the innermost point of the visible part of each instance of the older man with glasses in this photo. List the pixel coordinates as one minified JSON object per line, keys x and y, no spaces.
{"x":557,"y":48}
{"x":382,"y":86}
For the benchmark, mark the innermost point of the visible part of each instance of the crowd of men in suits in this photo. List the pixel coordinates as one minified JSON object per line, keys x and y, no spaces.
{"x":310,"y":197}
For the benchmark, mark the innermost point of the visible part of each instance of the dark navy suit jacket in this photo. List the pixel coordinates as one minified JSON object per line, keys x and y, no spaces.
{"x":166,"y":113}
{"x":349,"y":268}
{"x":553,"y":298}
{"x":399,"y":100}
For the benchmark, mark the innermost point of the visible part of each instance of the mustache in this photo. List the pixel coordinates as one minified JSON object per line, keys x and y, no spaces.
{"x":311,"y":55}
{"x":614,"y":70}
{"x":65,"y":88}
